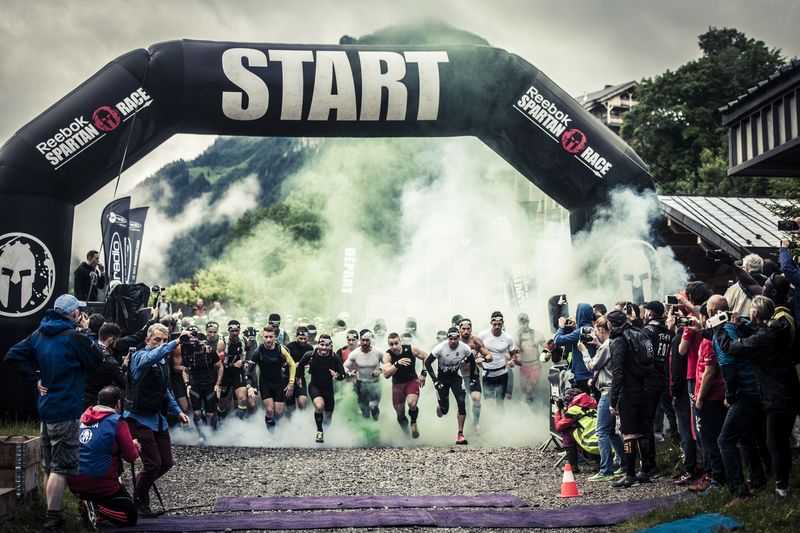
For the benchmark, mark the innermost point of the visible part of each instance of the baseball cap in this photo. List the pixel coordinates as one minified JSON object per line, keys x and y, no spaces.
{"x":67,"y":303}
{"x":655,"y":306}
{"x":617,"y":318}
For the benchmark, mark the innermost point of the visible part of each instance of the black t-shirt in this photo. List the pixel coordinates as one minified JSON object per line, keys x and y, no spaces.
{"x":319,"y":369}
{"x":270,"y":363}
{"x":201,"y":369}
{"x":404,"y":374}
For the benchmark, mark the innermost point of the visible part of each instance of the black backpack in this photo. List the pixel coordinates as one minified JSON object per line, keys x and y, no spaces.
{"x":641,"y":347}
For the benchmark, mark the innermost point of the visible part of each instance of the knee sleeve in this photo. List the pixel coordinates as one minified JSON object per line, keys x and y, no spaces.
{"x":462,"y":405}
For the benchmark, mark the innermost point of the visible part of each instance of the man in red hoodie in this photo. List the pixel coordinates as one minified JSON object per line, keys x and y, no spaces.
{"x":105,"y":441}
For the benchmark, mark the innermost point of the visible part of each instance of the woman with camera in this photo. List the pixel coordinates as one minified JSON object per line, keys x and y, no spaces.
{"x":607,"y":435}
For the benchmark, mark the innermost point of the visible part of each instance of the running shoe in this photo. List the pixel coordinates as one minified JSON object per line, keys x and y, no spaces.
{"x":602,"y":477}
{"x":782,"y":493}
{"x":414,"y":430}
{"x":439,"y":412}
{"x":624,"y":482}
{"x":713,"y":486}
{"x":619,"y":471}
{"x":320,"y":438}
{"x":685,"y":478}
{"x":460,"y":439}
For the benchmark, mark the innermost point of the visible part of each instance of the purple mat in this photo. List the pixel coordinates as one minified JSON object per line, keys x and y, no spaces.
{"x":577,"y":516}
{"x":320,"y":520}
{"x":308,"y":503}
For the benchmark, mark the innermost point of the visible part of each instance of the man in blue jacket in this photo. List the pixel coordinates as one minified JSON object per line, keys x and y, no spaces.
{"x":149,"y":398}
{"x":57,"y":356}
{"x":568,"y":335}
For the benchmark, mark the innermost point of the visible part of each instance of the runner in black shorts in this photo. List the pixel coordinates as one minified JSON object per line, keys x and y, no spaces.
{"x":204,"y":376}
{"x":234,"y":386}
{"x":450,"y":355}
{"x":297,"y":349}
{"x":269,"y":358}
{"x":323,"y":367}
{"x":481,"y":354}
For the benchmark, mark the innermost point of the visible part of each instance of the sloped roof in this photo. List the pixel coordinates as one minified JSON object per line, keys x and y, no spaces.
{"x":590,"y":99}
{"x":734,"y":224}
{"x":793,"y":67}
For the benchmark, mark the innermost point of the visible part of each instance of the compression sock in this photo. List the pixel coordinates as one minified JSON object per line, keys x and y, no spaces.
{"x":403,"y":421}
{"x":630,"y":448}
{"x":413,"y":414}
{"x":476,"y":414}
{"x":318,"y":420}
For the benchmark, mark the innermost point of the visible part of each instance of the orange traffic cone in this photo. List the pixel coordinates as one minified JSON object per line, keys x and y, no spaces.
{"x":568,"y":487}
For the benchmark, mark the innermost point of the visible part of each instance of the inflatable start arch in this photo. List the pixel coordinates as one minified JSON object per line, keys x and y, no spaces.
{"x":144,"y":97}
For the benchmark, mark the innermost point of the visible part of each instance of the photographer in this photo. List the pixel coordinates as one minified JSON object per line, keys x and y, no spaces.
{"x":607,"y":435}
{"x":576,"y":420}
{"x":89,"y":277}
{"x":766,"y":342}
{"x":203,"y":377}
{"x":568,"y":335}
{"x":149,"y":399}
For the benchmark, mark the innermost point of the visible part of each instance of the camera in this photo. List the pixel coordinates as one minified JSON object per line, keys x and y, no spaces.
{"x":587,"y":334}
{"x":716,"y":320}
{"x":569,"y":326}
{"x":683,"y":321}
{"x":560,"y":403}
{"x":787,"y":225}
{"x":155,"y":289}
{"x":250,"y":333}
{"x":720,"y":256}
{"x":194,"y":346}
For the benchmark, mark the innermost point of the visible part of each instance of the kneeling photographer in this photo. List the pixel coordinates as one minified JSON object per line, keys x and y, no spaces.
{"x":576,"y":421}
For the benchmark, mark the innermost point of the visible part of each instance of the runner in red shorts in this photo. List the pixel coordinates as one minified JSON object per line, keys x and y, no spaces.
{"x":399,"y":363}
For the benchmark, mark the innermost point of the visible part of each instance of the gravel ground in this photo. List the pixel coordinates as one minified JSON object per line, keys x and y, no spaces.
{"x":201,"y":474}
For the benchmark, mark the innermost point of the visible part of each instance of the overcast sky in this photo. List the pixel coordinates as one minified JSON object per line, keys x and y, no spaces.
{"x":50,"y":47}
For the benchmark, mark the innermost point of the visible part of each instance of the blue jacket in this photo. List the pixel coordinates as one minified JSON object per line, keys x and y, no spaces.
{"x":140,"y":362}
{"x":583,"y":318}
{"x":60,"y":356}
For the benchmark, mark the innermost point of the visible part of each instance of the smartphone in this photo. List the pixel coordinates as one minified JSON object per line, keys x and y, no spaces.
{"x":671,"y":299}
{"x":564,"y":297}
{"x":716,"y":320}
{"x":788,"y":225}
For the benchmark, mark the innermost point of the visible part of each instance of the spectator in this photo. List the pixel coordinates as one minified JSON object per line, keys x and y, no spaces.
{"x":89,"y":277}
{"x":607,"y":435}
{"x":738,"y":296}
{"x":631,"y":362}
{"x":105,"y":442}
{"x":56,"y":356}
{"x":199,"y":308}
{"x":568,"y":334}
{"x":110,"y":371}
{"x":767,"y":343}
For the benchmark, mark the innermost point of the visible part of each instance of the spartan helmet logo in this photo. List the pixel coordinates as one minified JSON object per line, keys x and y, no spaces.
{"x":27,"y":274}
{"x":17,"y":266}
{"x":632,"y":270}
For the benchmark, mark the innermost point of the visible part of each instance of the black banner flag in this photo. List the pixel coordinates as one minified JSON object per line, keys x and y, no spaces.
{"x":114,"y":226}
{"x":134,"y":246}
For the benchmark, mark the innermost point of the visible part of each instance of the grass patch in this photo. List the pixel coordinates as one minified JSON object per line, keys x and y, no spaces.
{"x":763,"y":513}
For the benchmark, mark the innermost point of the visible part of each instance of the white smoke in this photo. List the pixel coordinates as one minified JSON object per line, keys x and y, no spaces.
{"x":439,"y":229}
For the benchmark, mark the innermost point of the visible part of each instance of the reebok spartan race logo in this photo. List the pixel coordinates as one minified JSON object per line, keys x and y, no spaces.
{"x":82,"y":132}
{"x":546,"y":115}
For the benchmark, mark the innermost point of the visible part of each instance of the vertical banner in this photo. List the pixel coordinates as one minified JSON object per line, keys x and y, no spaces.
{"x":114,"y":226}
{"x":134,"y":244}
